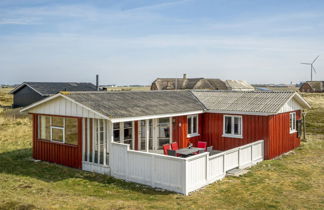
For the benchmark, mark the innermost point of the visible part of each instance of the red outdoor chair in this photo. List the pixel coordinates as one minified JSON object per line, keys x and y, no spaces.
{"x":166,"y":147}
{"x":174,"y":146}
{"x":202,"y":144}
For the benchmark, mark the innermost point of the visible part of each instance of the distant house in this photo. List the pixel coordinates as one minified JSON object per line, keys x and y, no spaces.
{"x":238,"y":85}
{"x":199,"y":84}
{"x":31,"y":92}
{"x":312,"y":87}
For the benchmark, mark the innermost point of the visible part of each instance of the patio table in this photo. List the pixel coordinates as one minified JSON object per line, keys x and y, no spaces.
{"x":188,"y":151}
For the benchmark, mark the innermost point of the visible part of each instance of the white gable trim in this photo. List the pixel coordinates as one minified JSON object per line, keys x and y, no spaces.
{"x":290,"y":105}
{"x":61,"y":108}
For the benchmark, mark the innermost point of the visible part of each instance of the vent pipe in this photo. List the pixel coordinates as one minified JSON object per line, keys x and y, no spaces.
{"x":97,"y":82}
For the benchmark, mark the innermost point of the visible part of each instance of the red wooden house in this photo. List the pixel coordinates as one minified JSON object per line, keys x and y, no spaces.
{"x":77,"y":129}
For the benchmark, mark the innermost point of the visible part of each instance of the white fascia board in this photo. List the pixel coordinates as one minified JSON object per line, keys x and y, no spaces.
{"x":240,"y":113}
{"x":115,"y":120}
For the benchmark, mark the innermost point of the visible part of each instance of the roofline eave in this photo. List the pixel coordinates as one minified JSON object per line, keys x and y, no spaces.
{"x":65,"y":97}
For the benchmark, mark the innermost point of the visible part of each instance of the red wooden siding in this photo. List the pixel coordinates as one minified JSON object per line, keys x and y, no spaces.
{"x":281,"y":140}
{"x":179,"y":131}
{"x":68,"y":155}
{"x":254,"y":128}
{"x":274,"y":130}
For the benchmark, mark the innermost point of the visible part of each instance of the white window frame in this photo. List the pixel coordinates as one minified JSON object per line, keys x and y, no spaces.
{"x":293,"y":125}
{"x":57,"y":127}
{"x":232,"y":135}
{"x":197,"y":124}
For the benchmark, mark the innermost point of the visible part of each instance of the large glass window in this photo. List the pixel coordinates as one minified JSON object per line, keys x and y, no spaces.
{"x":71,"y":131}
{"x":143,"y":134}
{"x":292,"y":122}
{"x":232,"y":126}
{"x":58,"y":129}
{"x":44,"y":127}
{"x":164,"y":132}
{"x":192,"y":122}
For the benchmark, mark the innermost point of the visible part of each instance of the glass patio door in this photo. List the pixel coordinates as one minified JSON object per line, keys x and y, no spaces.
{"x":143,"y":126}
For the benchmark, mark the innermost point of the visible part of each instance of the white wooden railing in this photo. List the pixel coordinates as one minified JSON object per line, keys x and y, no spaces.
{"x":182,"y":175}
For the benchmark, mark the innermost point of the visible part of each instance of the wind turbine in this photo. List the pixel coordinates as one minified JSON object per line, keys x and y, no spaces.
{"x":312,"y":67}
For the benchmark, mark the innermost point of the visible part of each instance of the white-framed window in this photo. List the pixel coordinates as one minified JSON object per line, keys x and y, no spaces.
{"x":124,"y":133}
{"x":58,"y":129}
{"x":292,"y":122}
{"x":192,"y":128}
{"x":232,"y":126}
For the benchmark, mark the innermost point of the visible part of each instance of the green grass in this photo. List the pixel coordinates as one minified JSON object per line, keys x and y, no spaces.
{"x":294,"y":181}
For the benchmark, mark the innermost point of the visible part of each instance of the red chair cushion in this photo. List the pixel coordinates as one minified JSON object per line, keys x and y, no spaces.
{"x":202,"y":144}
{"x":174,"y":146}
{"x":166,"y":147}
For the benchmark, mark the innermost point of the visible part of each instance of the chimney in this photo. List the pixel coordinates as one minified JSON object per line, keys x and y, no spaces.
{"x":184,"y":76}
{"x":97,"y":82}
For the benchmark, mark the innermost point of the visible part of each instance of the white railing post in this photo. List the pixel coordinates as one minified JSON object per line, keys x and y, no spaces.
{"x":152,"y":171}
{"x":147,"y":136}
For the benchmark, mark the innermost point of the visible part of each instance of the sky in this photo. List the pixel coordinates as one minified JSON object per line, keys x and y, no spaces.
{"x":135,"y":41}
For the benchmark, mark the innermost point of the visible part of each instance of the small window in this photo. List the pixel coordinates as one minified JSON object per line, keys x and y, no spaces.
{"x":57,"y":134}
{"x":232,"y":126}
{"x":192,"y":125}
{"x":292,"y":122}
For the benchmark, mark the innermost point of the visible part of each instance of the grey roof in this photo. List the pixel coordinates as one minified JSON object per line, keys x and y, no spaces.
{"x":124,"y":104}
{"x":238,"y":85}
{"x":51,"y":88}
{"x":243,"y":101}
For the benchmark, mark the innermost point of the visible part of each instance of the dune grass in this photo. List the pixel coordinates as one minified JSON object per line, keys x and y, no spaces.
{"x":294,"y":181}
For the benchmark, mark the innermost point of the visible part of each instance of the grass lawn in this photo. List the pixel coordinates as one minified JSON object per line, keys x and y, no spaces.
{"x":294,"y":181}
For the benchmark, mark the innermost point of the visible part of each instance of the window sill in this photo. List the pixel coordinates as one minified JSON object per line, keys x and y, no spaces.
{"x":292,"y":132}
{"x":232,"y":136}
{"x":192,"y":135}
